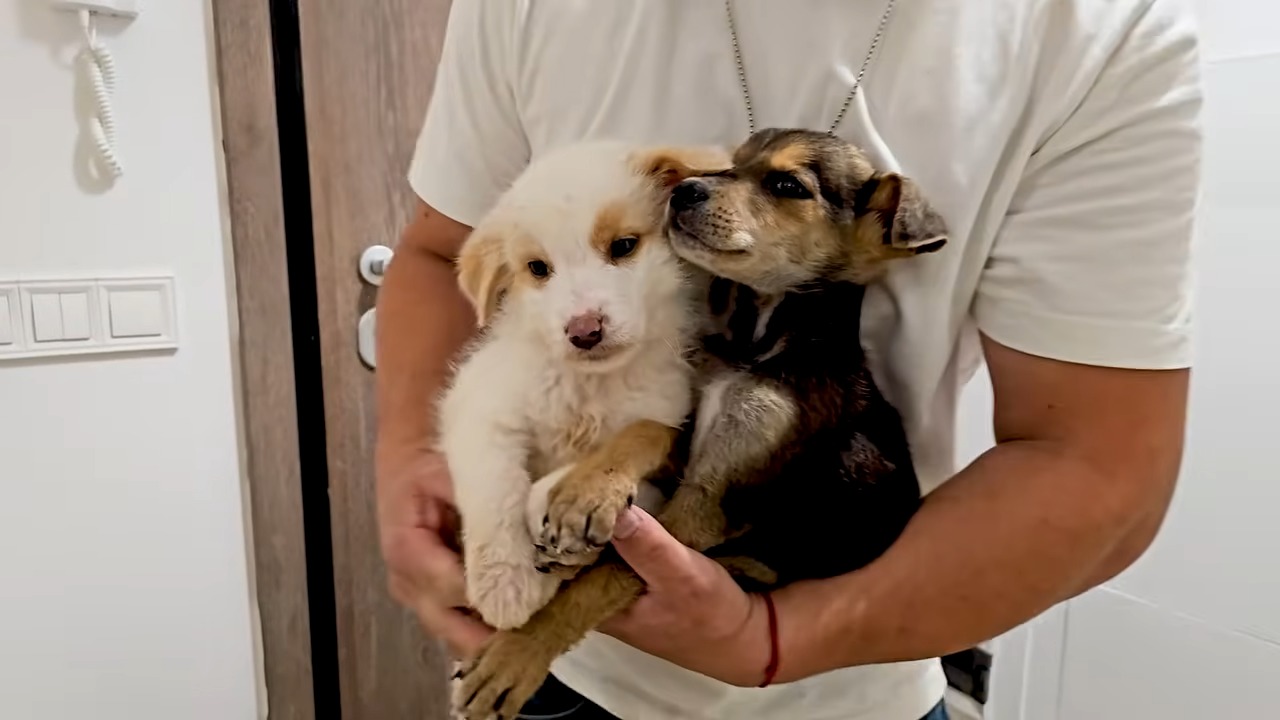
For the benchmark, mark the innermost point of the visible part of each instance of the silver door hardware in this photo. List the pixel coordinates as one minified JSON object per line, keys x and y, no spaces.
{"x":366,"y":338}
{"x":373,"y":263}
{"x":373,"y":267}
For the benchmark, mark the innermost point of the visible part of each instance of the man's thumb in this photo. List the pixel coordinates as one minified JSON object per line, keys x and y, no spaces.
{"x":649,"y":549}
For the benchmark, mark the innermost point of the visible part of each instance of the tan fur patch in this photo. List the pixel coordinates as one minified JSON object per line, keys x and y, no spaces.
{"x":791,"y":157}
{"x":582,"y":508}
{"x":483,"y":274}
{"x":894,"y":224}
{"x":514,"y":663}
{"x":622,"y":219}
{"x":669,"y":165}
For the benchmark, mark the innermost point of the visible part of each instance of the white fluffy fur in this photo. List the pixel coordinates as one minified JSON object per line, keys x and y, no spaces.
{"x":525,"y":402}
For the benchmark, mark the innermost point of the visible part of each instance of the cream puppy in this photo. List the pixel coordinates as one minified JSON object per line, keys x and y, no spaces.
{"x":586,"y":318}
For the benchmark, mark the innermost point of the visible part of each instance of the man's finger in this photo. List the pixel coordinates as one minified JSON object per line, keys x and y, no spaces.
{"x":659,"y":559}
{"x":434,"y":473}
{"x":419,"y":558}
{"x":462,"y":633}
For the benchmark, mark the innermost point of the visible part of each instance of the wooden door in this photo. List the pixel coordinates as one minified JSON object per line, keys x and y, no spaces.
{"x":367,"y":72}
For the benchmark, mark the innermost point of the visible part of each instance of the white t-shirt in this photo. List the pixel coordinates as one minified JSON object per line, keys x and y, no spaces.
{"x":1059,"y":139}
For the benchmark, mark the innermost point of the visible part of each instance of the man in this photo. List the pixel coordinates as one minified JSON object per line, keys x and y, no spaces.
{"x":1060,"y":141}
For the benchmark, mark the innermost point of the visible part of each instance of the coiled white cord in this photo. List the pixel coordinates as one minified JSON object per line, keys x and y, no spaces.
{"x":102,"y":79}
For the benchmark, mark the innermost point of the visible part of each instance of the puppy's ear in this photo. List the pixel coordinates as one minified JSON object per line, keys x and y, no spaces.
{"x":483,"y":273}
{"x":893,"y":221}
{"x":668,"y":166}
{"x":907,"y":223}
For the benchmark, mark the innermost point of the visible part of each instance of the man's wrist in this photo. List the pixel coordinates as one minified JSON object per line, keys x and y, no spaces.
{"x":393,"y":451}
{"x":775,"y":657}
{"x":821,"y":627}
{"x":751,"y":646}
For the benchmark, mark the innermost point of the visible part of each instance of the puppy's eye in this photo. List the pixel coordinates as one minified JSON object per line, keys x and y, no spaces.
{"x":785,"y":185}
{"x":539,"y":269}
{"x":623,"y":246}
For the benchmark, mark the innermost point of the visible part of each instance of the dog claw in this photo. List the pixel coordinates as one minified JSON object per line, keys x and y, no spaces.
{"x":502,"y":698}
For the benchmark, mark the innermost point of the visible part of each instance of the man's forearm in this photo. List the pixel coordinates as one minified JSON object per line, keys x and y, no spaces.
{"x":423,"y":320}
{"x":1026,"y":526}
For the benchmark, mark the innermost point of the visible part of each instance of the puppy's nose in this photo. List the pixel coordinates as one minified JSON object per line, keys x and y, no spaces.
{"x":688,"y":194}
{"x":585,"y":331}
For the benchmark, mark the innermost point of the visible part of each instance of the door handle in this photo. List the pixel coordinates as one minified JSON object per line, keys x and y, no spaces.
{"x":373,"y":263}
{"x":366,"y":338}
{"x":373,"y":267}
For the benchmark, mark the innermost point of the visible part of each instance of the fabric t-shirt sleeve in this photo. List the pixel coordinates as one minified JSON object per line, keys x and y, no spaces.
{"x":471,"y":146}
{"x":1092,"y":263}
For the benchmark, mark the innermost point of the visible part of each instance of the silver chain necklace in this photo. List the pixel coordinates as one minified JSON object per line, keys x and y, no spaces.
{"x":857,"y":82}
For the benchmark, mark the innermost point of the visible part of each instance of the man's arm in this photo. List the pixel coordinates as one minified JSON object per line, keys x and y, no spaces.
{"x":423,"y":320}
{"x":1072,"y":493}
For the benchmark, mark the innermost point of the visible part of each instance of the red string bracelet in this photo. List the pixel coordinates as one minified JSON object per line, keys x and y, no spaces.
{"x":771,"y":670}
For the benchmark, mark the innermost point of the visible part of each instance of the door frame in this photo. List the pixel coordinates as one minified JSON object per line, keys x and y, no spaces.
{"x":1026,"y":673}
{"x":243,"y":45}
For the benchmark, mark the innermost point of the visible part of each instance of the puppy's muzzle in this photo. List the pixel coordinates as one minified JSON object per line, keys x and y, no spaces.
{"x":689,"y":195}
{"x":585,"y":331}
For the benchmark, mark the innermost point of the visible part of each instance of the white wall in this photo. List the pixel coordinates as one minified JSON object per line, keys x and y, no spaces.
{"x":123,"y":582}
{"x":1193,"y":630}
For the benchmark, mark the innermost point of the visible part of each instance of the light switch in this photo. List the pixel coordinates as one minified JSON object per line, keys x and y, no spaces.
{"x":85,"y":316}
{"x":6,"y":321}
{"x":136,"y":313}
{"x":46,"y":316}
{"x":75,"y":316}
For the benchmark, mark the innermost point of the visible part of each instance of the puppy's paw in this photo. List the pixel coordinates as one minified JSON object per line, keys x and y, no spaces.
{"x":555,"y":560}
{"x":507,"y":594}
{"x":582,"y":506}
{"x":694,"y":519}
{"x":501,"y":679}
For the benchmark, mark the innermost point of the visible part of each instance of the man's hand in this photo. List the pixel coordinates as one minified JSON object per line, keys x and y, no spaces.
{"x":692,"y":614}
{"x":417,"y":522}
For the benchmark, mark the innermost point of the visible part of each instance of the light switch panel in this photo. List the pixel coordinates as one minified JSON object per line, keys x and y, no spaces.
{"x":135,"y":313}
{"x":75,"y":317}
{"x":58,"y":315}
{"x":138,"y":312}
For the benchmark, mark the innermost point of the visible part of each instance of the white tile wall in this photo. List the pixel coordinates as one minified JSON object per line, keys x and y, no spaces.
{"x":1239,"y":28}
{"x":1192,"y":632}
{"x":1128,"y":660}
{"x":1216,"y":558}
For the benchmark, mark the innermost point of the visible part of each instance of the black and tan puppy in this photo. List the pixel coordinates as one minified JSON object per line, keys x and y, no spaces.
{"x":797,"y":467}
